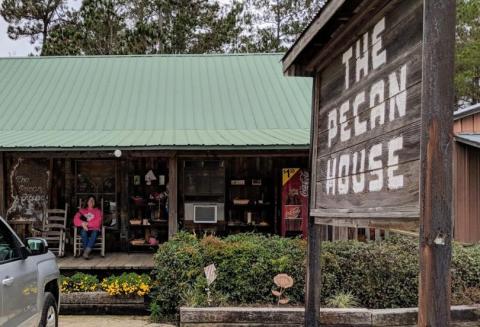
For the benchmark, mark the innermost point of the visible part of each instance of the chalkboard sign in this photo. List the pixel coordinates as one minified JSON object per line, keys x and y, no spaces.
{"x":28,"y":190}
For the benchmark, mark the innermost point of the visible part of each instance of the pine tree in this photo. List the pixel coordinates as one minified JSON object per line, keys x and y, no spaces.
{"x":277,"y":23}
{"x":32,"y":18}
{"x":467,"y":75}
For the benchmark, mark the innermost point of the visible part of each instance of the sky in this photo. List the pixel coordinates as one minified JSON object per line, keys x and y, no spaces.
{"x":9,"y":48}
{"x":22,"y":46}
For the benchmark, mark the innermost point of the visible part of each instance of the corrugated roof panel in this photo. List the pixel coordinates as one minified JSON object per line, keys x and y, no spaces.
{"x":469,"y":139}
{"x":235,"y":100}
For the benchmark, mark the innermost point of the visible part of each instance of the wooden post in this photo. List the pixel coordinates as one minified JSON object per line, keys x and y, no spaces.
{"x":312,"y":294}
{"x":436,"y":163}
{"x":172,"y":196}
{"x":342,"y":233}
{"x":313,"y":279}
{"x":3,"y":189}
{"x":124,"y":179}
{"x":367,"y":233}
{"x":69,"y":185}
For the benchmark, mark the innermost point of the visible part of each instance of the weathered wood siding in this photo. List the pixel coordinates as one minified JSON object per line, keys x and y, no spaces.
{"x":469,"y":124}
{"x":467,"y":193}
{"x":368,"y":155}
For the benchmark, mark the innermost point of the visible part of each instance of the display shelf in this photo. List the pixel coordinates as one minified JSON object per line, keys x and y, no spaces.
{"x":249,"y":203}
{"x":147,"y":201}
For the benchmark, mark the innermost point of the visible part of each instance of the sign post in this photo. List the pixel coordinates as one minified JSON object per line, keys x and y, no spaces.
{"x":382,"y":130}
{"x":436,"y":157}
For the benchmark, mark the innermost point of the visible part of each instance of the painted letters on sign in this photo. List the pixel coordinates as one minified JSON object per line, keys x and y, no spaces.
{"x":368,"y":140}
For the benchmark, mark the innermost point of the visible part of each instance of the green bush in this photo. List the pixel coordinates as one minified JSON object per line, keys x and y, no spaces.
{"x":342,"y":300}
{"x":246,"y":265}
{"x":377,"y":274}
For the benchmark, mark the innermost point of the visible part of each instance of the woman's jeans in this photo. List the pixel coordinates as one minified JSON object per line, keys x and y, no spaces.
{"x":88,"y":238}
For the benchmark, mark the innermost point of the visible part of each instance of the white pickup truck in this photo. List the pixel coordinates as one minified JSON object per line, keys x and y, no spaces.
{"x":29,"y":291}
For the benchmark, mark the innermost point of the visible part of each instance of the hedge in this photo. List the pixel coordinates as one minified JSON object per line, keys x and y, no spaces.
{"x":379,"y":274}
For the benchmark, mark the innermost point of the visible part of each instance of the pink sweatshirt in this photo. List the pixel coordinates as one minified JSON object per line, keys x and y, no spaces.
{"x":94,"y":217}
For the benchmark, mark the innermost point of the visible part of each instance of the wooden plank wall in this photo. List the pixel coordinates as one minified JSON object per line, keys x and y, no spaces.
{"x":469,"y":124}
{"x":467,"y":194}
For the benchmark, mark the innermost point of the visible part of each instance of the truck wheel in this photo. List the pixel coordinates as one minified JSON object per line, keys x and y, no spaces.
{"x":49,"y":311}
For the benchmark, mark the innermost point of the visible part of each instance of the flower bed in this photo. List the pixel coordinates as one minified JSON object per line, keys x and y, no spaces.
{"x":127,"y":284}
{"x":124,"y":294}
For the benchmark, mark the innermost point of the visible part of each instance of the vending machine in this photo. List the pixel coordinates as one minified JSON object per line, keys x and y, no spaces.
{"x":295,"y":188}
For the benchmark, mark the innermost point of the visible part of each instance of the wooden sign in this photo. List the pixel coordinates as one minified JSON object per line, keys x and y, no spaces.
{"x":367,"y":132}
{"x":382,"y":130}
{"x":28,"y":190}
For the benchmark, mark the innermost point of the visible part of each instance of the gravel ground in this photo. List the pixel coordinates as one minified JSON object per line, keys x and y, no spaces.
{"x":107,"y":321}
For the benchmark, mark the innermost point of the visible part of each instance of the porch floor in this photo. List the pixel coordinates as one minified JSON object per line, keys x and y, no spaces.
{"x":111,"y":261}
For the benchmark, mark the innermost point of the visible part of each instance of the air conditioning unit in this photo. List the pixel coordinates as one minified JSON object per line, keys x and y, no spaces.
{"x":204,"y":213}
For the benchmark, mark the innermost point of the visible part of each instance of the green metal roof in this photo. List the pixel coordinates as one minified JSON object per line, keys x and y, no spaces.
{"x":173,"y":101}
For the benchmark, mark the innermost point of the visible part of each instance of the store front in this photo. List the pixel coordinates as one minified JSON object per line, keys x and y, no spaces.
{"x":161,"y":150}
{"x":146,"y":196}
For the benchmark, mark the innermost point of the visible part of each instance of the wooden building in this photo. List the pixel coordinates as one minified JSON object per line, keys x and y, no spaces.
{"x":467,"y":175}
{"x":194,"y":142}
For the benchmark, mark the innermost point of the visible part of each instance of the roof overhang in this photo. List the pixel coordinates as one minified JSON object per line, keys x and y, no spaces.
{"x":462,"y":113}
{"x":326,"y":24}
{"x":469,"y":139}
{"x":286,"y":147}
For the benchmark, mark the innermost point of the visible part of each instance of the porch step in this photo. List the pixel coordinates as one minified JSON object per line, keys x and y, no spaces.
{"x":111,"y":261}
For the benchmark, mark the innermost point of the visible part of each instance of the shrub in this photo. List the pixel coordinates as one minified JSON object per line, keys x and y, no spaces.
{"x":342,"y":300}
{"x":127,"y":284}
{"x":79,"y":282}
{"x":246,"y":265}
{"x":377,"y":274}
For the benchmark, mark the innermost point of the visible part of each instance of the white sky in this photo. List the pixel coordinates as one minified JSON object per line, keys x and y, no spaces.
{"x":22,"y":46}
{"x":8,"y":47}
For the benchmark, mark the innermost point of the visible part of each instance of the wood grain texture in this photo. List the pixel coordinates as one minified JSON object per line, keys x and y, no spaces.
{"x":436,"y":163}
{"x":402,"y":42}
{"x":466,"y":193}
{"x":172,"y":196}
{"x":313,"y":279}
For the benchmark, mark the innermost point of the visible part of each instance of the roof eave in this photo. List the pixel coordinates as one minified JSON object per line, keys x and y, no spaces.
{"x":289,"y":60}
{"x":463,"y":140}
{"x":285,"y":147}
{"x":459,"y":114}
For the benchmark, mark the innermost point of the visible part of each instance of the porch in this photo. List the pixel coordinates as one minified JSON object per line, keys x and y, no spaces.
{"x":112,"y":261}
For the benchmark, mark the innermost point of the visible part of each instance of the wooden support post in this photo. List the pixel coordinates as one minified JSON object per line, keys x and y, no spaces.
{"x":355,"y":234}
{"x":69,"y":180}
{"x":312,"y":294}
{"x":313,"y":279}
{"x":378,"y":236}
{"x":124,"y":179}
{"x":367,"y":233}
{"x":3,"y":187}
{"x":172,"y":196}
{"x":51,"y":202}
{"x":436,"y":163}
{"x":342,"y":233}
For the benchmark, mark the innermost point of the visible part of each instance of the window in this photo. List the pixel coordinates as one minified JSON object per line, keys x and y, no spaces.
{"x":8,"y":246}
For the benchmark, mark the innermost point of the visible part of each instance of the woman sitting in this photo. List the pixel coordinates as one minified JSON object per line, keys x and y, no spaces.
{"x":89,"y":221}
